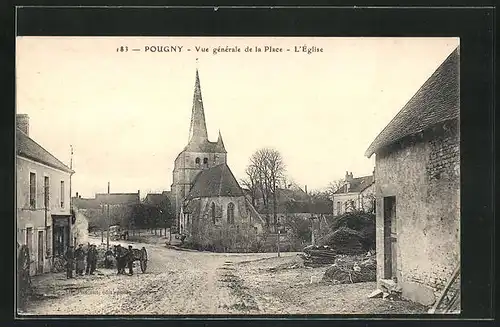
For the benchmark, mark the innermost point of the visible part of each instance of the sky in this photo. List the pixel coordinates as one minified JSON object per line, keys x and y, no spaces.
{"x":127,"y":113}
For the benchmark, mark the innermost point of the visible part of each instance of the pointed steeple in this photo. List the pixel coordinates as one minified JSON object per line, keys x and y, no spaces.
{"x":198,"y":128}
{"x":220,"y":143}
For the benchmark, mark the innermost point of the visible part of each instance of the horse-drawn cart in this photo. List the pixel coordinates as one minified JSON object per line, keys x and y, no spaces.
{"x":141,"y":256}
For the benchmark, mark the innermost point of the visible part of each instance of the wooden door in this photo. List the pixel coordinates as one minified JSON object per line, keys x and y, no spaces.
{"x":39,"y":268}
{"x":390,"y":238}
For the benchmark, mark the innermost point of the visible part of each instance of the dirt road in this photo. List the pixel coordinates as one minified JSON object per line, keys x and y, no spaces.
{"x":185,"y":282}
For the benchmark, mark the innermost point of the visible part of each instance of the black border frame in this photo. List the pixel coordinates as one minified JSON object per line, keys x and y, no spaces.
{"x":475,"y":27}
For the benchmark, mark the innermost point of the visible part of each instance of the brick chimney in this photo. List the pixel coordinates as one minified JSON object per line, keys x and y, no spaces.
{"x":23,"y":123}
{"x":348,"y":176}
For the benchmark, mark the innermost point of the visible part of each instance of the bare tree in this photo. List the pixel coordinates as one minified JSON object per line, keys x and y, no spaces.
{"x":334,"y":186}
{"x":268,"y":169}
{"x":251,"y":182}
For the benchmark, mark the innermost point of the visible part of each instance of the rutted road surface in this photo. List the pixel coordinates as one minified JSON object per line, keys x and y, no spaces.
{"x":190,"y":282}
{"x":176,"y":282}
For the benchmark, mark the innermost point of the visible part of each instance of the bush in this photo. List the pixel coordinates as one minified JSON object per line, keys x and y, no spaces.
{"x":357,"y":226}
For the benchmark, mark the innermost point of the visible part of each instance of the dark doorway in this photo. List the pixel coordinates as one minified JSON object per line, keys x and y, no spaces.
{"x":60,"y":234}
{"x":39,"y":267}
{"x":390,"y":238}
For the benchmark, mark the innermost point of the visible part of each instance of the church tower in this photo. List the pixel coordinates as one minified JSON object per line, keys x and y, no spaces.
{"x":199,"y":153}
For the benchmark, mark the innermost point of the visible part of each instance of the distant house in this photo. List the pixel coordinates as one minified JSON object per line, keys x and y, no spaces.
{"x":43,"y":200}
{"x":418,"y":189}
{"x":96,"y":209}
{"x":292,"y":202}
{"x":354,"y":194}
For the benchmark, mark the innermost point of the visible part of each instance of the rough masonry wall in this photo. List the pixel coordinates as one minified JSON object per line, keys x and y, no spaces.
{"x":425,"y":178}
{"x":185,"y":171}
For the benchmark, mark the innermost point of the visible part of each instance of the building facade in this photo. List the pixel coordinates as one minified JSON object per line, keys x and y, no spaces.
{"x":418,"y":189}
{"x":44,"y":216}
{"x":204,"y":189}
{"x":107,"y":209}
{"x":355,"y":194}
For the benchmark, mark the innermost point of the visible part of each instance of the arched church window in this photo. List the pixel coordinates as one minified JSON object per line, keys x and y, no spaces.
{"x":213,"y":212}
{"x":230,"y":213}
{"x":197,"y":161}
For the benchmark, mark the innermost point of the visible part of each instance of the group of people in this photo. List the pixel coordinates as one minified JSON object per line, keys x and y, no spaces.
{"x":124,"y":258}
{"x":75,"y":259}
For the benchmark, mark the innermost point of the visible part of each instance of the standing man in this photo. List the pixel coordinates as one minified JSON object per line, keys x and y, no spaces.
{"x":69,"y":256}
{"x":80,"y":260}
{"x":119,"y":259}
{"x":130,"y":260}
{"x":108,"y":259}
{"x":91,"y":260}
{"x":93,"y":264}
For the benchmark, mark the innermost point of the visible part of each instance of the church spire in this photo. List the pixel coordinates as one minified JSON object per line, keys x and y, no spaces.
{"x":198,"y":128}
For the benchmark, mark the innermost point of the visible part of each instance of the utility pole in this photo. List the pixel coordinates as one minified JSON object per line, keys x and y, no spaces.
{"x":108,"y":219}
{"x":70,"y":201}
{"x":278,"y":223}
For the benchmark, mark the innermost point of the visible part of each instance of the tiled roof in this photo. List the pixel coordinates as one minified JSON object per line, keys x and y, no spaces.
{"x":215,"y":181}
{"x":357,"y":185}
{"x":117,"y":198}
{"x":438,"y":100}
{"x":28,"y":148}
{"x":83,"y":203}
{"x":155,"y":199}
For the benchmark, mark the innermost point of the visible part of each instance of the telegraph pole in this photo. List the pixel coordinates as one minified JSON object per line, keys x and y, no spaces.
{"x":70,"y":201}
{"x":278,"y":238}
{"x":108,"y":219}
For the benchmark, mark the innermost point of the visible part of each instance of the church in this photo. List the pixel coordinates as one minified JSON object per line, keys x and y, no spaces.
{"x":204,"y":191}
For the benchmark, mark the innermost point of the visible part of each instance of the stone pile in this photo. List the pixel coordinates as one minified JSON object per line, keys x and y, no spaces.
{"x":351,"y":269}
{"x":316,"y":256}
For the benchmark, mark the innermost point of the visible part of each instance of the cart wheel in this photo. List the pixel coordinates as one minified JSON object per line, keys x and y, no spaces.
{"x":144,"y":259}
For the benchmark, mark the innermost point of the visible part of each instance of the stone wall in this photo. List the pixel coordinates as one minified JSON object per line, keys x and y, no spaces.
{"x":202,"y":228}
{"x":423,"y":173}
{"x":186,"y":169}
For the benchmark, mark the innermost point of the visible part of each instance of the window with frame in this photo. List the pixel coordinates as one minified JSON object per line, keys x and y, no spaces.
{"x":62,"y":194}
{"x":230,"y":213}
{"x":213,"y":212}
{"x":339,"y":208}
{"x":32,"y":191}
{"x":46,"y":188}
{"x":197,"y":161}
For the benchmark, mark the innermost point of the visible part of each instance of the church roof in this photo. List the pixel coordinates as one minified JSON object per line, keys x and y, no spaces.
{"x":435,"y":102}
{"x":198,"y":136}
{"x":198,"y":127}
{"x":215,"y":181}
